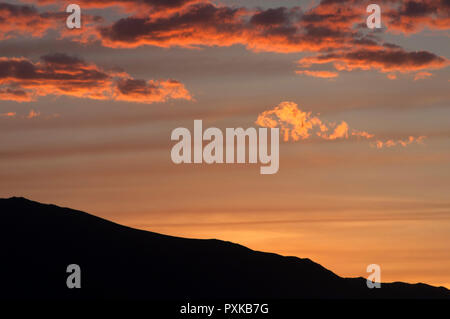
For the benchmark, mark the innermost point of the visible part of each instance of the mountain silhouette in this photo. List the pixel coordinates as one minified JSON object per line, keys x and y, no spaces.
{"x":40,"y":241}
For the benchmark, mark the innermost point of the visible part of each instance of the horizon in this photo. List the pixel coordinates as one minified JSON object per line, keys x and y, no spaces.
{"x":212,"y":238}
{"x":236,"y":243}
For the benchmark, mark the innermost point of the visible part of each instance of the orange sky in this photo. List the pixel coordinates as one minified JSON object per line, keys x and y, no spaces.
{"x":86,"y":118}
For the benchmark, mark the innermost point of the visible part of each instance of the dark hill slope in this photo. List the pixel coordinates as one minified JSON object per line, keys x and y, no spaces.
{"x":39,"y":241}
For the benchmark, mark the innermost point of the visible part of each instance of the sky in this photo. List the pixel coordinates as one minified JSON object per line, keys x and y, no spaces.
{"x":86,"y":118}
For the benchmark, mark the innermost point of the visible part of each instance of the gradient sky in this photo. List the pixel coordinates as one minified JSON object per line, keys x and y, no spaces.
{"x":86,"y":117}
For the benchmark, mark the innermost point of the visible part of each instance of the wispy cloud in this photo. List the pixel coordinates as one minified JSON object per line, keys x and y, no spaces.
{"x":384,"y":60}
{"x":8,"y":114}
{"x":405,"y":142}
{"x":422,"y":76}
{"x":33,"y":114}
{"x":363,"y":134}
{"x":319,"y":74}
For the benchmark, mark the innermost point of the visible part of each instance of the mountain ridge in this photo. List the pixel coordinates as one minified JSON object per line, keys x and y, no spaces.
{"x":118,"y":261}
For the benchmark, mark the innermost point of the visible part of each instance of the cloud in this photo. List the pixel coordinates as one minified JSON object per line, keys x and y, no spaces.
{"x":296,"y":125}
{"x":199,"y":24}
{"x":341,"y":131}
{"x":409,"y":16}
{"x":400,"y":16}
{"x":383,"y":60}
{"x":334,"y":30}
{"x":23,"y":80}
{"x":205,"y":24}
{"x":33,"y":114}
{"x":422,"y":76}
{"x":391,"y":143}
{"x":363,"y":134}
{"x":329,"y":24}
{"x":405,"y":16}
{"x":142,"y":91}
{"x":17,"y":95}
{"x":392,"y":76}
{"x":30,"y":115}
{"x":128,"y":5}
{"x":23,"y":20}
{"x":8,"y":114}
{"x":329,"y":27}
{"x":188,"y":23}
{"x":319,"y":74}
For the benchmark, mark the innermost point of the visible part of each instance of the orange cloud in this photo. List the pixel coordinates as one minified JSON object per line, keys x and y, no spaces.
{"x":409,"y":16}
{"x":334,"y":27}
{"x":204,"y":23}
{"x":296,"y":125}
{"x":385,"y":60}
{"x":391,"y":143}
{"x":422,"y":76}
{"x":33,"y":114}
{"x":328,"y":25}
{"x":58,"y":74}
{"x":319,"y":74}
{"x":188,"y":23}
{"x":363,"y":134}
{"x":192,"y":23}
{"x":392,"y":76}
{"x":128,"y":5}
{"x":24,"y":20}
{"x":8,"y":114}
{"x":141,"y":91}
{"x":14,"y":94}
{"x":405,"y":16}
{"x":341,"y":131}
{"x":399,"y":16}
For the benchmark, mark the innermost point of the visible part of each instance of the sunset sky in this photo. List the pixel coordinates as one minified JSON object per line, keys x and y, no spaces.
{"x":86,"y":117}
